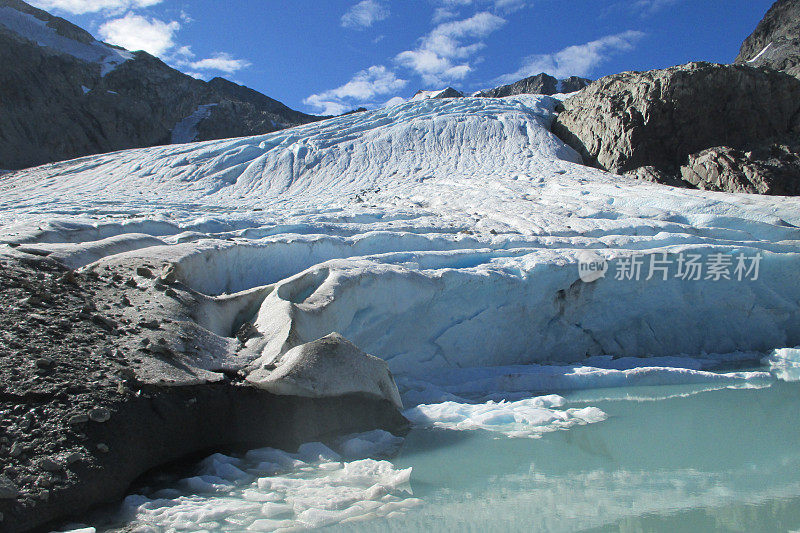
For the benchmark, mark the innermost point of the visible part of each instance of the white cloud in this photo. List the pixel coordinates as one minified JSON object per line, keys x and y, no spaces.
{"x":651,"y":6}
{"x":136,"y":32}
{"x":442,"y":54}
{"x":578,"y":60}
{"x":79,"y":7}
{"x":222,"y":62}
{"x":503,"y":6}
{"x":364,"y":14}
{"x":443,"y":13}
{"x":375,"y":81}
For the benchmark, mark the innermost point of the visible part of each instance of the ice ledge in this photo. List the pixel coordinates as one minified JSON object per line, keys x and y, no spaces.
{"x":327,"y":367}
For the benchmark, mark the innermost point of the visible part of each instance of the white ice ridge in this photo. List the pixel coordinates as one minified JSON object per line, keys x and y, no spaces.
{"x":433,"y":234}
{"x":38,"y":31}
{"x":531,"y":417}
{"x":519,"y":381}
{"x":269,"y":489}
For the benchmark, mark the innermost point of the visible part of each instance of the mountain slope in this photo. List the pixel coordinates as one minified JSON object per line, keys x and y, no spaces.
{"x":66,"y":94}
{"x":776,"y":40}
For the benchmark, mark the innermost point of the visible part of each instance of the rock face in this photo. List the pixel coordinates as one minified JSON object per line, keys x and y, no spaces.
{"x":776,"y":40}
{"x":539,"y":84}
{"x":66,"y":95}
{"x":659,"y":118}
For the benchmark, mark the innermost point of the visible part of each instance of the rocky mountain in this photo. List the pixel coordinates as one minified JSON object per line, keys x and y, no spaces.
{"x":776,"y":40}
{"x":66,"y":95}
{"x":449,"y":92}
{"x":659,"y":125}
{"x":539,"y":84}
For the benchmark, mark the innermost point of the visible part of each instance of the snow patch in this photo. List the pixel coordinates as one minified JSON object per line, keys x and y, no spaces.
{"x":185,"y":131}
{"x":38,"y":31}
{"x":761,"y":53}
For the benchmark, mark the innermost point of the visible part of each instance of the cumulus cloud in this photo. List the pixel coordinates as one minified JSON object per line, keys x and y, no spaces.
{"x":375,"y":81}
{"x":364,"y":14}
{"x":157,"y":37}
{"x":136,"y":32}
{"x":577,"y":60}
{"x":222,"y":62}
{"x":79,"y":7}
{"x":442,"y":54}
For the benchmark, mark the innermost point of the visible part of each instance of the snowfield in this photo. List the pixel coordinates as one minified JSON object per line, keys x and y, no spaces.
{"x":436,"y":234}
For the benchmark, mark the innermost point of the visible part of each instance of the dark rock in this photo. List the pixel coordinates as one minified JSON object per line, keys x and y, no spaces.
{"x":100,"y":415}
{"x":775,"y":42}
{"x":539,"y":84}
{"x":50,"y":465}
{"x":78,"y":419}
{"x":658,"y":118}
{"x":8,"y":490}
{"x":144,"y":272}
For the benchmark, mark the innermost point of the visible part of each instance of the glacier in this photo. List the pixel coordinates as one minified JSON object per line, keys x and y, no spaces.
{"x":434,"y":234}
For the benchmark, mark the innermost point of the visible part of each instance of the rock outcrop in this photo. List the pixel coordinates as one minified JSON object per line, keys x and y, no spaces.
{"x":539,"y":84}
{"x":659,"y":118}
{"x":108,"y":372}
{"x":775,"y":42}
{"x":449,"y":92}
{"x":769,"y":170}
{"x":66,"y":95}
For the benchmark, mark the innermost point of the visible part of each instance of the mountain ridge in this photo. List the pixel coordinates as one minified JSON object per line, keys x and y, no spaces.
{"x":67,"y":95}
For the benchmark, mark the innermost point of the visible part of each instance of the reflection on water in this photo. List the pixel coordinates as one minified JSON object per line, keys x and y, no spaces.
{"x":721,"y":460}
{"x":667,"y":458}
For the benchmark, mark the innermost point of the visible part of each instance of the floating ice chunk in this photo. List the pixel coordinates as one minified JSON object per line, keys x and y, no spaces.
{"x":784,"y":363}
{"x":524,"y":418}
{"x":312,"y":452}
{"x":370,"y":444}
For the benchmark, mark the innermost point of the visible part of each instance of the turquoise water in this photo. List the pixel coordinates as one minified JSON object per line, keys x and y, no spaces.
{"x":668,"y":458}
{"x":726,"y":460}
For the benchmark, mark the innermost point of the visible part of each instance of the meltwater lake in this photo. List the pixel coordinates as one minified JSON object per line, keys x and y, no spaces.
{"x":666,"y":458}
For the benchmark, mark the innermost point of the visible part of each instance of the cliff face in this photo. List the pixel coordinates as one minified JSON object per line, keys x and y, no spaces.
{"x":65,"y":95}
{"x":776,"y":40}
{"x":660,"y":124}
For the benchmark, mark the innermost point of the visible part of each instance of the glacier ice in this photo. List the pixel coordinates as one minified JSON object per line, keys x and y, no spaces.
{"x":434,"y":234}
{"x":530,"y":417}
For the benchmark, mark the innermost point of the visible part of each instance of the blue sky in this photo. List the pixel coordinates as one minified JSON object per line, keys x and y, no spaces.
{"x":328,"y":56}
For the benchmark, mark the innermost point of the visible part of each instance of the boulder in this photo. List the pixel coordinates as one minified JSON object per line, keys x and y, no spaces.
{"x":328,"y":367}
{"x":659,"y":118}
